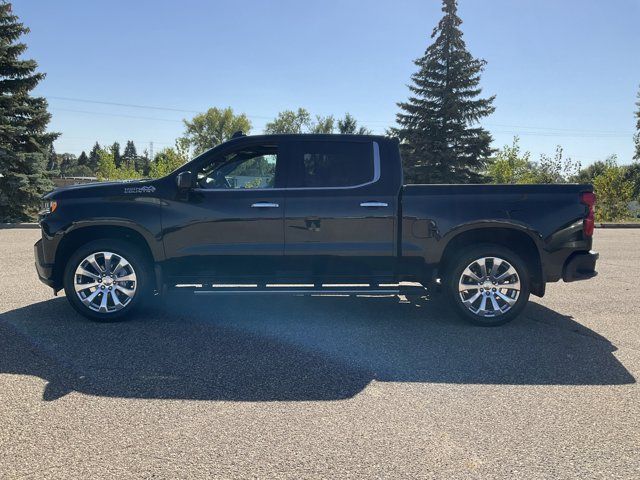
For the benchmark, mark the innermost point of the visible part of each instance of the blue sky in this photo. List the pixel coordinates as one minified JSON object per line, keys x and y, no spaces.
{"x":564,"y":72}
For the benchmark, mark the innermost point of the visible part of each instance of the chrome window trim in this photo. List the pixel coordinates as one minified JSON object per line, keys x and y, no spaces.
{"x":376,"y":177}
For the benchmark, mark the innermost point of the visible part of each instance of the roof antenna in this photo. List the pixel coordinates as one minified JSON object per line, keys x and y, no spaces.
{"x":238,"y":134}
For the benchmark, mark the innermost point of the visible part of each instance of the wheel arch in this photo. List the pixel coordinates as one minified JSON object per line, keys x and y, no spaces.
{"x":76,"y":237}
{"x":518,"y":240}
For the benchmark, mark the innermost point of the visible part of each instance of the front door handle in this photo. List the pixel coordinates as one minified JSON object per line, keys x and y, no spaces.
{"x":374,"y":204}
{"x":264,"y":205}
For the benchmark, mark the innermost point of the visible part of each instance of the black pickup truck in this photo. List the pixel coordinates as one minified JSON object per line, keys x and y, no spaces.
{"x":304,"y":214}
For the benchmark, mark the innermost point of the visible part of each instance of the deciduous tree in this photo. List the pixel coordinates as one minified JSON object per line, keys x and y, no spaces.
{"x":613,"y":192}
{"x":323,"y":124}
{"x":556,"y":168}
{"x":166,"y":161}
{"x":289,"y":121}
{"x":632,"y":174}
{"x":216,"y":125}
{"x":511,"y":165}
{"x":586,"y":175}
{"x":106,"y":165}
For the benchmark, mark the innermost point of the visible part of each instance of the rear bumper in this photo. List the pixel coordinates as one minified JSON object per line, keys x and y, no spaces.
{"x":580,"y":266}
{"x":45,"y":270}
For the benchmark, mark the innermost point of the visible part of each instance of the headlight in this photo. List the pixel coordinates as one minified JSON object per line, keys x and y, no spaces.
{"x":48,"y":206}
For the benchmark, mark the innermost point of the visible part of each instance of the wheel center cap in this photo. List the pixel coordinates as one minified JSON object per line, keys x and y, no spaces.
{"x":487,"y":285}
{"x":108,"y":281}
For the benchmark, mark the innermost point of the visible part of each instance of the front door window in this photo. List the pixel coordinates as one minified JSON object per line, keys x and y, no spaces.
{"x":249,"y":168}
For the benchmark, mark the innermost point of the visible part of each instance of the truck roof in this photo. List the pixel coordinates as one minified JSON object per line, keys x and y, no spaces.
{"x":311,"y":136}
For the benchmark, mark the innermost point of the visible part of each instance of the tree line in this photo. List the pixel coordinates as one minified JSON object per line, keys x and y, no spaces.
{"x":69,"y":165}
{"x":441,"y":138}
{"x":202,"y":132}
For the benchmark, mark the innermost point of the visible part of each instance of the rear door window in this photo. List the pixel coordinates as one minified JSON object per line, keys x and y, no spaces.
{"x":331,"y":164}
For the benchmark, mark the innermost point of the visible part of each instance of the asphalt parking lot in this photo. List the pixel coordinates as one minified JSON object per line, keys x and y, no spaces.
{"x":332,"y":387}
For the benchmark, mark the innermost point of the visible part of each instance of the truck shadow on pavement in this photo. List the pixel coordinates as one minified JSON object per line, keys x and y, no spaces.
{"x":294,"y":349}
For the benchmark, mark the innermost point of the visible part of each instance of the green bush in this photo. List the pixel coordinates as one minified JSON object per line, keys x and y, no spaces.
{"x":614,"y":193}
{"x":510,"y":165}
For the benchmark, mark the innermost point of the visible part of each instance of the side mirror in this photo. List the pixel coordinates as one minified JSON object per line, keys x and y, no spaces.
{"x":184,"y":181}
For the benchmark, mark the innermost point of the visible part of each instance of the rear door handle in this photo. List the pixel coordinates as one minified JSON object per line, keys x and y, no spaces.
{"x":374,"y":204}
{"x":264,"y":205}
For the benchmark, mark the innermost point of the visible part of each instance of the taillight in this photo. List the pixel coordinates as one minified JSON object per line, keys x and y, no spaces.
{"x":589,"y":199}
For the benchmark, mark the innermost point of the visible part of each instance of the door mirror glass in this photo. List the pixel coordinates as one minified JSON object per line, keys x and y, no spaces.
{"x":184,"y":180}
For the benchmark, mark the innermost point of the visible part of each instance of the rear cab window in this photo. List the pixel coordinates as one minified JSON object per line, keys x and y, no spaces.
{"x":330,"y":164}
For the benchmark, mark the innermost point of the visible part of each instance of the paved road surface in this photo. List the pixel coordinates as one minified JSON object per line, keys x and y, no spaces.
{"x":240,"y":387}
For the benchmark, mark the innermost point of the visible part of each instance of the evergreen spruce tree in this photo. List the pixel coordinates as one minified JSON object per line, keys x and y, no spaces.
{"x":68,"y":164}
{"x":437,"y":125}
{"x":115,"y":150}
{"x":83,"y":160}
{"x":636,"y":137}
{"x":24,"y":142}
{"x":142,"y":163}
{"x":349,"y":126}
{"x":94,"y":158}
{"x":52,"y":159}
{"x":130,"y":154}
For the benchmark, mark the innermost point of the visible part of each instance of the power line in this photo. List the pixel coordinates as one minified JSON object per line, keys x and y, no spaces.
{"x":557,"y":129}
{"x":132,"y":105}
{"x":565,"y":135}
{"x":114,"y":114}
{"x":128,"y":138}
{"x":118,"y":104}
{"x":569,"y":133}
{"x":545,"y":131}
{"x":79,"y":140}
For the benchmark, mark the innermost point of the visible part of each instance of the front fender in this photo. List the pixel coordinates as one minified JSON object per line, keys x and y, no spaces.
{"x":140,"y":215}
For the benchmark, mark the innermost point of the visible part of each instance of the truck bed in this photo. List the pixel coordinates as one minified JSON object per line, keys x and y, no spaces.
{"x":550,"y":215}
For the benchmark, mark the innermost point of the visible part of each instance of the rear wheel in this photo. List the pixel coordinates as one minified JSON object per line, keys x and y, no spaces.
{"x":106,"y":279}
{"x":489,"y":285}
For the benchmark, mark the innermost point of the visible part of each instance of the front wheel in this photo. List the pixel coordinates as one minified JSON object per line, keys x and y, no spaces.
{"x":106,"y":279}
{"x":489,"y":285}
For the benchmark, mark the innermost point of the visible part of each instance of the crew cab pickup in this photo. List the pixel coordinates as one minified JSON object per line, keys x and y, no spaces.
{"x":310,"y":214}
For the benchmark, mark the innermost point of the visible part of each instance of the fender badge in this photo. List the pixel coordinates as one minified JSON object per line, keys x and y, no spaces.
{"x":145,"y":189}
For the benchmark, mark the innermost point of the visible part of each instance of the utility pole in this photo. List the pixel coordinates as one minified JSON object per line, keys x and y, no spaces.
{"x":151,"y":151}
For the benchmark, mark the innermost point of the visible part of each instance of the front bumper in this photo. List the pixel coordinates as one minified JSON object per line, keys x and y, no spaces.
{"x":580,"y":266}
{"x":45,"y":270}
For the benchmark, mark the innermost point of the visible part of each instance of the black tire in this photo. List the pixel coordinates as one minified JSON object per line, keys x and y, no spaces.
{"x":464,"y":259}
{"x":133,"y":255}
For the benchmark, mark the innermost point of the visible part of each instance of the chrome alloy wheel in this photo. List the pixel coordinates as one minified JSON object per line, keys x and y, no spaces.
{"x":489,"y":287}
{"x":105,"y":282}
